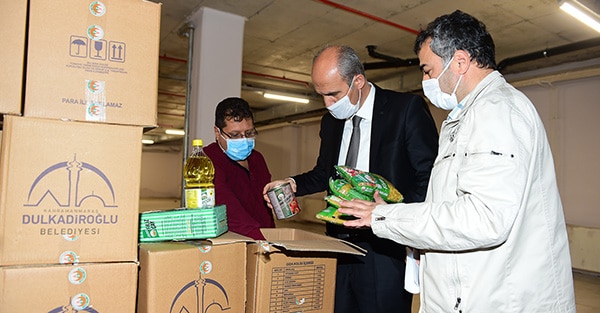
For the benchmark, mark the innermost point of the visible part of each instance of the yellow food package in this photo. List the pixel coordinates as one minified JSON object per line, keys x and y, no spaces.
{"x":331,"y":215}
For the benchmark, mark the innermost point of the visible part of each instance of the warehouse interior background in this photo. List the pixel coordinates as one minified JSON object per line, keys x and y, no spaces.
{"x":281,"y":36}
{"x":546,"y":53}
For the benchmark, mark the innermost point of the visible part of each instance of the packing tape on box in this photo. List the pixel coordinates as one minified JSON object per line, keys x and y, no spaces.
{"x":95,"y":99}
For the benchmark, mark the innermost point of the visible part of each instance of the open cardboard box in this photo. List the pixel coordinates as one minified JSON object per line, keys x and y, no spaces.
{"x":293,"y":271}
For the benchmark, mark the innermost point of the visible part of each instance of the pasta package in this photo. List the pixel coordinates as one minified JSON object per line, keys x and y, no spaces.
{"x":367,"y":183}
{"x":345,"y":190}
{"x":355,"y":184}
{"x":333,"y":200}
{"x":331,"y":215}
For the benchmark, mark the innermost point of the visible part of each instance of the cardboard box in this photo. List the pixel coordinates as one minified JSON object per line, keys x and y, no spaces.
{"x":99,"y":287}
{"x":13,"y":15}
{"x":193,"y":276}
{"x":69,"y":191}
{"x":183,"y":224}
{"x":293,"y":271}
{"x":93,"y":61}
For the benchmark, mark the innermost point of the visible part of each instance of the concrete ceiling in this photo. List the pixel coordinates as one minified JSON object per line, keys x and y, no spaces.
{"x":281,"y":37}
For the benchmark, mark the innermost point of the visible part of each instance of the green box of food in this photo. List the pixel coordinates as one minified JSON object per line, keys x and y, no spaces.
{"x":183,"y":224}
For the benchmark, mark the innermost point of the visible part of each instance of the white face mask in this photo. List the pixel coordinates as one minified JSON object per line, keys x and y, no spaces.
{"x":433,"y":92}
{"x":343,"y":108}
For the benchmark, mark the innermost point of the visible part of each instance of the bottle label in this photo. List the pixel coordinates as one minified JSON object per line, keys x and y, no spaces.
{"x":196,"y":198}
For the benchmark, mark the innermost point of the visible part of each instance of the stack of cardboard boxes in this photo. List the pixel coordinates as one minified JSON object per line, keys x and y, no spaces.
{"x":78,"y":83}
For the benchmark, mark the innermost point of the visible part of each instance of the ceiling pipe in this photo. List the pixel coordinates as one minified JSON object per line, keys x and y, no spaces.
{"x":389,"y":60}
{"x":591,"y":43}
{"x":367,"y":15}
{"x":283,"y":78}
{"x":278,"y":78}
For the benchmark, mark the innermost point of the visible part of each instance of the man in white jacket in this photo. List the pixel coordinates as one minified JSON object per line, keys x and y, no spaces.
{"x":491,"y":232}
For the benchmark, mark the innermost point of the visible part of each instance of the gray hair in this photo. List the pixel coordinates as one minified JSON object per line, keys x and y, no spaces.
{"x":348,"y":62}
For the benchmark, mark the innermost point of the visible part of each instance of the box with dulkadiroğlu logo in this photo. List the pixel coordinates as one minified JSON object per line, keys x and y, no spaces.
{"x":90,"y":287}
{"x":13,"y":15}
{"x":291,"y":271}
{"x":93,"y":61}
{"x":69,"y":191}
{"x":193,"y":276}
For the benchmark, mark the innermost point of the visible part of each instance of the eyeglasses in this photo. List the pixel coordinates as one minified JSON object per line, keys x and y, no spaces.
{"x":247,"y":134}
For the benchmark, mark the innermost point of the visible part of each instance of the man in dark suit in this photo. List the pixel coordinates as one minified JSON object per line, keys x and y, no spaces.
{"x":399,"y":141}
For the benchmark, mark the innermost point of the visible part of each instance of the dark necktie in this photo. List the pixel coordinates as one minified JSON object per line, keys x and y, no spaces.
{"x":354,"y":142}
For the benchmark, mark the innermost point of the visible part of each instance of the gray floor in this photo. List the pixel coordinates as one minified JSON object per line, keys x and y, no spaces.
{"x":587,"y":285}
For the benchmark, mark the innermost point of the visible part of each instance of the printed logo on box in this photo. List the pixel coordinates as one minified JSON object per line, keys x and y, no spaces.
{"x":95,"y":86}
{"x":150,"y":227}
{"x":206,"y":267}
{"x":68,"y":257}
{"x":97,"y":8}
{"x":78,"y":303}
{"x":196,"y":292}
{"x":77,"y":276}
{"x":205,"y":248}
{"x":73,"y":199}
{"x":95,"y":101}
{"x":70,"y":309}
{"x":95,"y":32}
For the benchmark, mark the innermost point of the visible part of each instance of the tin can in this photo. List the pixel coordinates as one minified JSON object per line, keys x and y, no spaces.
{"x":283,"y":201}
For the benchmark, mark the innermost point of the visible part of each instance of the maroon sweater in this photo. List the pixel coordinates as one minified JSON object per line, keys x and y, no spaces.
{"x":241,"y":191}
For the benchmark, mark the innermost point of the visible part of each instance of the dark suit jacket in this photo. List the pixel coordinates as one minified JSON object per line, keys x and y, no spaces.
{"x":404,"y":144}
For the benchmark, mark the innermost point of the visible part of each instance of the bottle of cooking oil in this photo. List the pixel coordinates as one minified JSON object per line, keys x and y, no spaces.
{"x":199,"y":173}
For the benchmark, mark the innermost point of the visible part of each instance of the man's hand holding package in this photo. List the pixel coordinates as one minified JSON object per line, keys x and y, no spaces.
{"x":361,"y":209}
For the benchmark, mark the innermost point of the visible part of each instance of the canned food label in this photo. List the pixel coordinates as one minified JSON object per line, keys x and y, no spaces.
{"x":199,"y":198}
{"x":283,"y":201}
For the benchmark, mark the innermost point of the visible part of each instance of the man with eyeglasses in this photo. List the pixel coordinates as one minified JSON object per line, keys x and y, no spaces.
{"x":240,"y":171}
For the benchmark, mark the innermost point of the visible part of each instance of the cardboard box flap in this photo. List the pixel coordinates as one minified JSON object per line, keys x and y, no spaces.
{"x":227,"y":238}
{"x":168,"y":246}
{"x":300,"y":240}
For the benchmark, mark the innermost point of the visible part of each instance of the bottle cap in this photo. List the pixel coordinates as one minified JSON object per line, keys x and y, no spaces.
{"x":197,"y":142}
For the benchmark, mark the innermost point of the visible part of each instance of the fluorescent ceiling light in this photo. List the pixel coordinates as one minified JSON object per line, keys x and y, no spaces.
{"x":584,"y":14}
{"x":147,"y":141}
{"x":284,"y":98}
{"x":178,"y":132}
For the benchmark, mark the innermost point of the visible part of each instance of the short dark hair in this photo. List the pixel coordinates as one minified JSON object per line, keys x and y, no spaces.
{"x":459,"y":31}
{"x":232,"y":108}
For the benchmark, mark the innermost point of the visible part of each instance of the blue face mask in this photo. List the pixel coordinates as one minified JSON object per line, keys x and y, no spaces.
{"x":239,"y":149}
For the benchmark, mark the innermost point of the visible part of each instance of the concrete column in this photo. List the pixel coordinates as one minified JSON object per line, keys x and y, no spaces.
{"x":216,"y":67}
